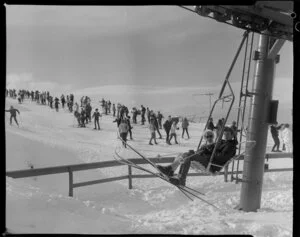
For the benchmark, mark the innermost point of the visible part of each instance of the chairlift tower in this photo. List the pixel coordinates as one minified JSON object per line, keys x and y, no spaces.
{"x":273,"y":21}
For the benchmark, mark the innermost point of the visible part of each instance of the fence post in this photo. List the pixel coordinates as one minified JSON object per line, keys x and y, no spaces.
{"x":226,"y":173}
{"x":129,"y":177}
{"x":70,"y":182}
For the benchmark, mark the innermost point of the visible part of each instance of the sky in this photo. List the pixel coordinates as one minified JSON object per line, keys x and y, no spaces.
{"x":71,"y":48}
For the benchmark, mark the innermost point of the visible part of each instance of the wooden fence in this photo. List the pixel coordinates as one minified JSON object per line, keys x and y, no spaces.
{"x":105,"y":164}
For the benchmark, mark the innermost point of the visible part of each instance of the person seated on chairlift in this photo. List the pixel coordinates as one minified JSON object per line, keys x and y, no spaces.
{"x":224,"y":152}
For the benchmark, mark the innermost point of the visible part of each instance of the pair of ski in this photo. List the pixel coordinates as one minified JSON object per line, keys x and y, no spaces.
{"x":187,"y":191}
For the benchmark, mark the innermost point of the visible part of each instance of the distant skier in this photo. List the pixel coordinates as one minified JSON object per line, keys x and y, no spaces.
{"x":129,"y":127}
{"x":287,"y":137}
{"x":56,"y":103}
{"x":13,"y":115}
{"x":167,"y":126}
{"x":82,"y":117}
{"x":63,"y":101}
{"x":123,"y":130}
{"x":173,"y":132}
{"x":143,"y":111}
{"x":152,"y":128}
{"x":114,"y":110}
{"x":96,"y":115}
{"x":185,"y":125}
{"x":275,"y":135}
{"x":159,"y":119}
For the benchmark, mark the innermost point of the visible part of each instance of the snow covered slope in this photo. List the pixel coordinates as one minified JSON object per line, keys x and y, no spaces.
{"x":41,"y":205}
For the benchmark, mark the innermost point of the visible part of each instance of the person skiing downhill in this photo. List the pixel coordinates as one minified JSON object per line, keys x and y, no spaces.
{"x":13,"y":115}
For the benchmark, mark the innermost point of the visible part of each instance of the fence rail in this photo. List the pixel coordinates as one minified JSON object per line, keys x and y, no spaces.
{"x":106,"y":164}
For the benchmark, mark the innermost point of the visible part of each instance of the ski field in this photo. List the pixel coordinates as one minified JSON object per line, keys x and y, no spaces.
{"x":41,"y":204}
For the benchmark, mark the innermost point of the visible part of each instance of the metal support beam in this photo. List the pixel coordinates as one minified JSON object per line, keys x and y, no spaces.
{"x":258,"y":128}
{"x":275,"y":48}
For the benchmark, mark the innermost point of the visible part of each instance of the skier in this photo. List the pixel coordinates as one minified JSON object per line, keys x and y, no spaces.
{"x":129,"y":127}
{"x":152,"y":128}
{"x":88,"y":109}
{"x":159,"y":118}
{"x":13,"y":114}
{"x":173,"y":132}
{"x":143,"y":110}
{"x":56,"y":103}
{"x":224,"y":152}
{"x":275,"y":136}
{"x":123,"y":130}
{"x":114,"y":110}
{"x":82,"y":117}
{"x":287,"y":137}
{"x":96,"y":115}
{"x":167,"y":126}
{"x":155,"y":124}
{"x":63,"y":101}
{"x":185,"y":125}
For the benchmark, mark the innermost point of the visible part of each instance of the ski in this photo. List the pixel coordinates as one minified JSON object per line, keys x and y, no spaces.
{"x":183,"y":189}
{"x":155,"y":166}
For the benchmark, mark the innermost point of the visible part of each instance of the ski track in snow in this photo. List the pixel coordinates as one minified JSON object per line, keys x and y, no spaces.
{"x":153,"y":206}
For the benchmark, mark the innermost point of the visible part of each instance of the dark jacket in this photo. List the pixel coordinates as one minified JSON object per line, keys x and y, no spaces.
{"x":167,"y":125}
{"x":274,"y":131}
{"x":96,"y":115}
{"x":13,"y":112}
{"x":225,"y":151}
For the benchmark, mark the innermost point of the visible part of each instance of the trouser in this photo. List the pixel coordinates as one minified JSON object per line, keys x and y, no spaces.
{"x":130,"y":133}
{"x":185,"y":166}
{"x":158,"y":132}
{"x":159,"y":124}
{"x":187,"y":132}
{"x":167,"y":138}
{"x":114,"y":113}
{"x":153,"y":137}
{"x":10,"y":120}
{"x":143,"y":119}
{"x":124,"y":138}
{"x":277,"y":143}
{"x":97,"y":123}
{"x":175,"y":137}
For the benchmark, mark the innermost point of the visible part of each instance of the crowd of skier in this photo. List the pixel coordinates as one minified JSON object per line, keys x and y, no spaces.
{"x":83,"y":115}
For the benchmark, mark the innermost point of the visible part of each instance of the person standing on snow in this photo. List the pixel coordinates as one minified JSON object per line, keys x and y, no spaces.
{"x":63,"y":101}
{"x":275,"y":136}
{"x":96,"y":115}
{"x":143,"y":110}
{"x":152,"y":129}
{"x":167,"y":126}
{"x":159,"y":119}
{"x":287,"y":138}
{"x":13,"y":114}
{"x":56,"y":103}
{"x":173,"y":132}
{"x":114,"y":110}
{"x":129,"y":126}
{"x":185,"y":125}
{"x":123,"y":130}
